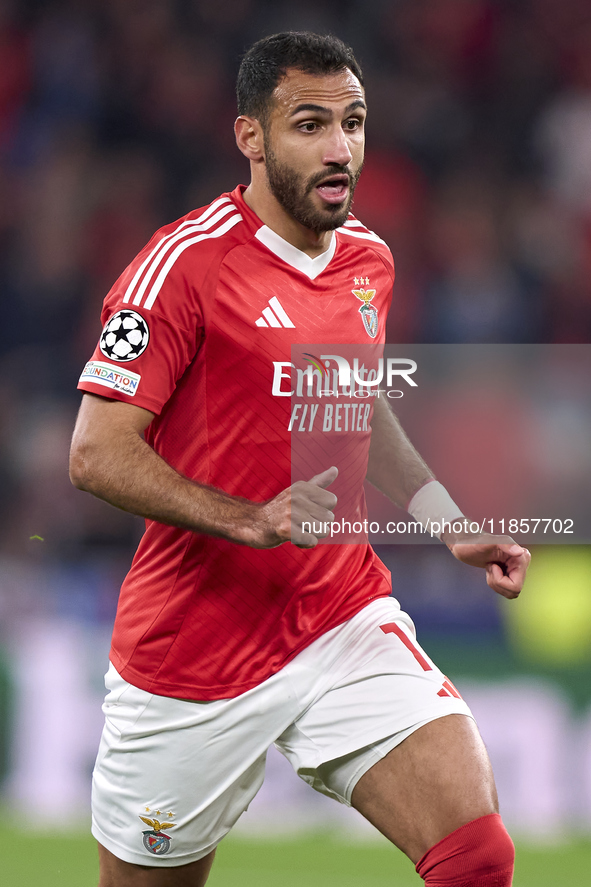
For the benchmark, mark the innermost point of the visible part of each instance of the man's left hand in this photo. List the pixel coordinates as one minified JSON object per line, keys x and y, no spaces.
{"x":504,"y":560}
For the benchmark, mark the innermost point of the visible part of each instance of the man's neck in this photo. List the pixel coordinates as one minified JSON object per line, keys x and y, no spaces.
{"x":269,"y":210}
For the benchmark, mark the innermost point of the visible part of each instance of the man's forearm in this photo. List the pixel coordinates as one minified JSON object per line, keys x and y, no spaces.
{"x":133,"y":477}
{"x":395,"y":467}
{"x":110,"y":458}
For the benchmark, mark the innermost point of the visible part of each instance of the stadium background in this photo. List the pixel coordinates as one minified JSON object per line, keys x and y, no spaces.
{"x":116,"y":117}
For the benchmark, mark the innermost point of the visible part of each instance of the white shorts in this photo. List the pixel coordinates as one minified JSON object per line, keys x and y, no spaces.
{"x":173,"y":776}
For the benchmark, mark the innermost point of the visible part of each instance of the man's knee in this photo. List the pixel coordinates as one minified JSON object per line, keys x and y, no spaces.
{"x":479,"y":854}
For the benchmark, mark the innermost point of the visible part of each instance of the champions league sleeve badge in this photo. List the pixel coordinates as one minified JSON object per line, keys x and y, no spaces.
{"x":369,"y":314}
{"x":155,"y":840}
{"x":125,"y":336}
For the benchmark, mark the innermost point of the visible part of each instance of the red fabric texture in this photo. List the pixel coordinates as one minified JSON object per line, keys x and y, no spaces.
{"x":200,"y":617}
{"x":479,"y":854}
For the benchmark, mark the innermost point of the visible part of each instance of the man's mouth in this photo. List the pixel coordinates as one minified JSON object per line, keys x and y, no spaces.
{"x":334,"y":189}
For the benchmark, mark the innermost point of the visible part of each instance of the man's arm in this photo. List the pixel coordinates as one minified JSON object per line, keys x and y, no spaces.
{"x":110,"y":459}
{"x":395,"y":467}
{"x":397,"y":470}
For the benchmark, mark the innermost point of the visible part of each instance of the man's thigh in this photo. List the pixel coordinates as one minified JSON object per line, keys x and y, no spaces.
{"x":438,"y":779}
{"x":117,"y":873}
{"x":383,"y":688}
{"x":172,"y":777}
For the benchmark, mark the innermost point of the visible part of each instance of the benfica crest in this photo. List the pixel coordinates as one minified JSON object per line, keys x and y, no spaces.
{"x":155,"y":840}
{"x":369,"y":314}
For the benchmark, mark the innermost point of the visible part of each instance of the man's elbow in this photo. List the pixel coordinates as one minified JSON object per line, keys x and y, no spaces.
{"x":82,"y":466}
{"x":77,"y":469}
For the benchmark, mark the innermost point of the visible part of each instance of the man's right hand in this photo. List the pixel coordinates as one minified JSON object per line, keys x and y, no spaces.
{"x":306,"y":502}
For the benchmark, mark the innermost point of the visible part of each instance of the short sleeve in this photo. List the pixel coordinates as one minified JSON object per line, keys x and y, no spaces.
{"x":145,"y":348}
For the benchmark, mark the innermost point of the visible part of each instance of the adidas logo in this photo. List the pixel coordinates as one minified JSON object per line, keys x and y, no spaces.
{"x":274,"y":315}
{"x":448,"y":689}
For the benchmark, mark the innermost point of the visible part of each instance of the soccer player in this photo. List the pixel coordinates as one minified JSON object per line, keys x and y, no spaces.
{"x":237,"y":627}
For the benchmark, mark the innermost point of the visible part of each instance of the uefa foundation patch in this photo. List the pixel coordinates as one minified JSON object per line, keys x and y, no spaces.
{"x":155,"y":840}
{"x":102,"y":373}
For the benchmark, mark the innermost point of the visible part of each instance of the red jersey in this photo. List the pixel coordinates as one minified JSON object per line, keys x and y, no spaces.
{"x":199,"y":330}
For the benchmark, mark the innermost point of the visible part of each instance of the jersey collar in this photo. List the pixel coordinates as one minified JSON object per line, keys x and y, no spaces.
{"x":294,"y":256}
{"x":285,"y":251}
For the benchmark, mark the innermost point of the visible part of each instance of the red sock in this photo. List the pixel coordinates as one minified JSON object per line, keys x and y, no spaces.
{"x":479,"y":854}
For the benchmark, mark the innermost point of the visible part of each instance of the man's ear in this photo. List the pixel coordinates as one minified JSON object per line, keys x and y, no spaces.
{"x":249,"y":138}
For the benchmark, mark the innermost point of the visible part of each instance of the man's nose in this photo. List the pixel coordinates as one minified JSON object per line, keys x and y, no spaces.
{"x":337,"y":148}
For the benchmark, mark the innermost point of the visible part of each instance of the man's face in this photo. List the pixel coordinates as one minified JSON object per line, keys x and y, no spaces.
{"x":314,"y":141}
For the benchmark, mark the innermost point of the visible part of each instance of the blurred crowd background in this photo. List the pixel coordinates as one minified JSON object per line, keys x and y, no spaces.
{"x":115,"y":118}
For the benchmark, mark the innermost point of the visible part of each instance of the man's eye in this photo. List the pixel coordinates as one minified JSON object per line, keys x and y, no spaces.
{"x":353,"y":123}
{"x":308,"y":126}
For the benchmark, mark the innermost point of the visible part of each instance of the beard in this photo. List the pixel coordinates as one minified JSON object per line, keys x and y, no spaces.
{"x":294,"y":193}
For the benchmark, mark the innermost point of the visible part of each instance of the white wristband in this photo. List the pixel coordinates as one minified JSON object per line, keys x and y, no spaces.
{"x":434,"y":509}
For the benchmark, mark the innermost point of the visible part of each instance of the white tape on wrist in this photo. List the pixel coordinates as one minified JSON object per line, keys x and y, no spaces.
{"x":434,"y":509}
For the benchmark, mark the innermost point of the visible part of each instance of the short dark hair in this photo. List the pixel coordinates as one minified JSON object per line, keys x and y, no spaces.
{"x":266,"y":62}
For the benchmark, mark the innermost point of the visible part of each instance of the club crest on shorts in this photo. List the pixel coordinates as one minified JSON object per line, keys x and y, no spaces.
{"x":369,"y":314}
{"x":155,"y":840}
